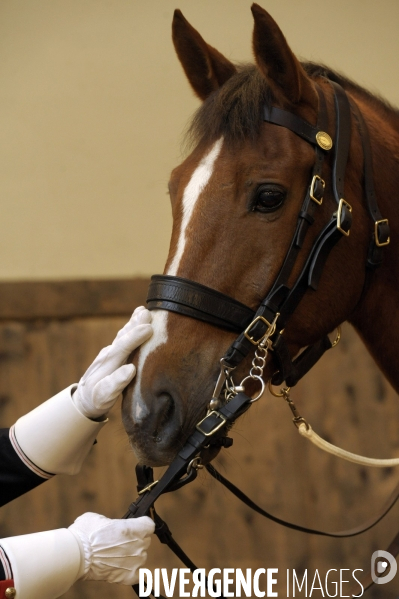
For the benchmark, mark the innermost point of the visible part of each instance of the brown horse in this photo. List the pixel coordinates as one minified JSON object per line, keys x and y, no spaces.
{"x":235,"y":203}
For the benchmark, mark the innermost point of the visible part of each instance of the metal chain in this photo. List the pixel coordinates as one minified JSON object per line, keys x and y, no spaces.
{"x":259,"y":361}
{"x":258,"y":366}
{"x":225,"y":381}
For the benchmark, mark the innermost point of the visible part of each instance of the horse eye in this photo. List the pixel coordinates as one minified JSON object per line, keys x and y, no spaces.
{"x":267,"y":199}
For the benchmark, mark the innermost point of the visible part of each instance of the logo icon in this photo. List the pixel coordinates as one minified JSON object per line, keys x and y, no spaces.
{"x":386,"y":563}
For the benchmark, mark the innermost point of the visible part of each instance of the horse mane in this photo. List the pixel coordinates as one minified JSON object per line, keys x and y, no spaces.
{"x":236,"y":109}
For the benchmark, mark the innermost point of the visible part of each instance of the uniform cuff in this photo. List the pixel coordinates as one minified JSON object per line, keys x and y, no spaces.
{"x":55,"y":437}
{"x":45,"y":564}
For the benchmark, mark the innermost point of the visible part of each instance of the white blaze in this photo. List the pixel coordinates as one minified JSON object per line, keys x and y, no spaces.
{"x":199,"y":179}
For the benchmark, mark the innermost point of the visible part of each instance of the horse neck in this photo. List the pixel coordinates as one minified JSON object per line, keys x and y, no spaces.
{"x":376,"y":318}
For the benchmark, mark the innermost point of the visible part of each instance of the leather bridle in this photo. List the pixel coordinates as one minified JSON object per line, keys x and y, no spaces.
{"x":192,"y":299}
{"x":198,"y":301}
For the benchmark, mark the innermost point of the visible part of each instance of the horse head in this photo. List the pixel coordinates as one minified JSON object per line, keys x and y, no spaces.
{"x":235,"y":203}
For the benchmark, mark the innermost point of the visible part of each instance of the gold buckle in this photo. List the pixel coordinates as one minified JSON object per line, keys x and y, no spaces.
{"x":342,"y":203}
{"x":217,"y":427}
{"x":377,"y":242}
{"x":271,"y":327}
{"x":312,"y":186}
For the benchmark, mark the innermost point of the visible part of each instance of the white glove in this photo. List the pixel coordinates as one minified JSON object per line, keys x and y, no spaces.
{"x":56,"y":437}
{"x":106,"y":378}
{"x":113,"y":550}
{"x":46,"y":564}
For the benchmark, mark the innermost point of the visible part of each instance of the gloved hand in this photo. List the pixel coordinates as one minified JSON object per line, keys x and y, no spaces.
{"x":55,"y":437}
{"x":113,"y":550}
{"x":106,"y":378}
{"x":44,"y":565}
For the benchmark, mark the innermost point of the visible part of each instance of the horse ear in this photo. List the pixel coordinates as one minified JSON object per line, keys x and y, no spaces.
{"x":278,"y":64}
{"x":205,"y":67}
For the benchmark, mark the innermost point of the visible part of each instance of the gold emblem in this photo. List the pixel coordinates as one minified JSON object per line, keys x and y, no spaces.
{"x":10,"y":593}
{"x":324,"y":140}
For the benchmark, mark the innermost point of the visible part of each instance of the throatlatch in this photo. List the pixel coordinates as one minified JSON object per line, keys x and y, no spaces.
{"x":262,"y":331}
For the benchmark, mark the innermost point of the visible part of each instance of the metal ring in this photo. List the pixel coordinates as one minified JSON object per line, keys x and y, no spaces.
{"x":299,"y":420}
{"x":282,"y":391}
{"x":262,"y":382}
{"x":252,"y":372}
{"x":195,"y":463}
{"x":337,"y":338}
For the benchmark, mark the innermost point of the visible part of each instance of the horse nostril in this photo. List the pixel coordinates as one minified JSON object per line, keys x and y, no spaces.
{"x":165,"y":409}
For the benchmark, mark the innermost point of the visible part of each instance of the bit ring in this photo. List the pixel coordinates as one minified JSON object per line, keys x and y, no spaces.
{"x":262,"y":382}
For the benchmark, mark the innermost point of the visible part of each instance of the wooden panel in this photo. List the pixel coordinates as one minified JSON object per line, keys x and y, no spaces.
{"x":66,"y":299}
{"x":345,"y":399}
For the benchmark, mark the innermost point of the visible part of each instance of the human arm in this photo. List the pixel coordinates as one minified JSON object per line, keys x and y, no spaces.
{"x":45,"y":565}
{"x":56,"y":436}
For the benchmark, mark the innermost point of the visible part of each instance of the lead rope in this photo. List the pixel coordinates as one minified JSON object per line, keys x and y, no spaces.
{"x":307,"y":432}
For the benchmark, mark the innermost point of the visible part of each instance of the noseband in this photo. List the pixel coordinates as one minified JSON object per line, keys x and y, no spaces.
{"x":262,"y":329}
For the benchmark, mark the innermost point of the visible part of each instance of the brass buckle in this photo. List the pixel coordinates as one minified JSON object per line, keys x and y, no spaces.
{"x":217,"y":427}
{"x":312,"y":186}
{"x":377,"y":241}
{"x":271,"y":327}
{"x":342,"y":203}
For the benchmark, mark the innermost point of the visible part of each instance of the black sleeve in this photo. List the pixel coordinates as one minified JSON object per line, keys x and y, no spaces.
{"x":15,"y":478}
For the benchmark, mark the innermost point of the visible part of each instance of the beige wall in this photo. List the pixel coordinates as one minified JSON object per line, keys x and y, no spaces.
{"x":92,"y":105}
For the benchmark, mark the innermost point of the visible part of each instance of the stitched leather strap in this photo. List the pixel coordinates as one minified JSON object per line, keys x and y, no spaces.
{"x":198,"y":301}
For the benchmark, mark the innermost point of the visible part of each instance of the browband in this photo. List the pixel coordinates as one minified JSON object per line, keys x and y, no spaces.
{"x":283,"y":118}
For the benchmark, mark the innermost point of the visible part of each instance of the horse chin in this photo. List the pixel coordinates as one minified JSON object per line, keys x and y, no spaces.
{"x":148,"y":454}
{"x":152,"y":453}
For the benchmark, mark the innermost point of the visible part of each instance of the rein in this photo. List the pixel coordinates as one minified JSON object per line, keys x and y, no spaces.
{"x":262,"y":330}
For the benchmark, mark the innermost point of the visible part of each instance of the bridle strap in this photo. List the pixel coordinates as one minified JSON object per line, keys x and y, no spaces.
{"x":381,"y":233}
{"x":342,"y":140}
{"x":313,"y":198}
{"x":281,"y":298}
{"x":278,"y":116}
{"x":340,"y":534}
{"x":208,"y":431}
{"x":198,"y":301}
